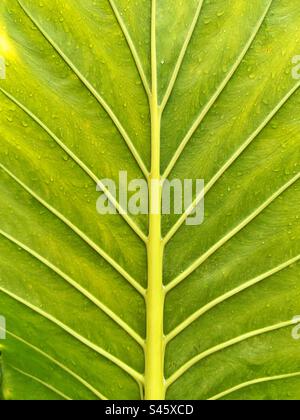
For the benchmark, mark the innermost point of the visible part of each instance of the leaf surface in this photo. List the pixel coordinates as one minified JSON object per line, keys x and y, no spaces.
{"x":128,"y":306}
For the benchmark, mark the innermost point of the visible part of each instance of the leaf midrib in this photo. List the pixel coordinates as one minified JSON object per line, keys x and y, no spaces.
{"x":173,"y":162}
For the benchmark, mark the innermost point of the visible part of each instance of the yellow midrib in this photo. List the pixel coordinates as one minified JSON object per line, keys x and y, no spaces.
{"x":155,"y":347}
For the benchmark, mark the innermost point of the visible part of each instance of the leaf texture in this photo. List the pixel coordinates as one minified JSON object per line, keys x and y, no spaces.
{"x":160,"y":89}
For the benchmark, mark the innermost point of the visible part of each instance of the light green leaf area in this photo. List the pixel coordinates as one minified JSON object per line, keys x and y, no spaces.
{"x":128,"y":306}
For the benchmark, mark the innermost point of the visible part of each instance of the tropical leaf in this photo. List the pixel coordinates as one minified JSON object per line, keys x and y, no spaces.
{"x":123,"y":306}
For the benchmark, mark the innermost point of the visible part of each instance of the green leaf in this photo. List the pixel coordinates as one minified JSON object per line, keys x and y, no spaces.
{"x":125,"y":306}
